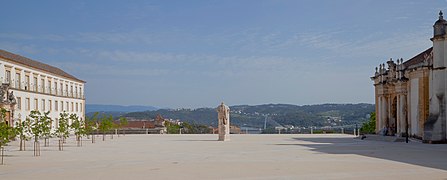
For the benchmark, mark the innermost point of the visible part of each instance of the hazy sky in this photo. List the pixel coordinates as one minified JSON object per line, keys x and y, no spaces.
{"x":199,"y":53}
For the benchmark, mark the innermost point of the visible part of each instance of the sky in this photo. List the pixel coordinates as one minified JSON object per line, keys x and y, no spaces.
{"x":191,"y":54}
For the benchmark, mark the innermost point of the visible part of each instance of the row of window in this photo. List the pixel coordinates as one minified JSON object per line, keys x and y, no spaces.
{"x":48,"y":105}
{"x":48,"y":87}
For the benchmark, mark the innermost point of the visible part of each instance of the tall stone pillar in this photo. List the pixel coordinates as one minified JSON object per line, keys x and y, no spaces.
{"x":398,"y":115}
{"x":435,"y":126}
{"x":404,"y":116}
{"x":401,"y":114}
{"x":224,"y":122}
{"x":379,"y":114}
{"x":389,"y":111}
{"x":384,"y":112}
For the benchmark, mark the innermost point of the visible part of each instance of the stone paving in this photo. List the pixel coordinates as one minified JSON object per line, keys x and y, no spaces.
{"x":244,"y":157}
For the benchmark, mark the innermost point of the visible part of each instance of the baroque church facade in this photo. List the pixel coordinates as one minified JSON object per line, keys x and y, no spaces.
{"x":410,"y":95}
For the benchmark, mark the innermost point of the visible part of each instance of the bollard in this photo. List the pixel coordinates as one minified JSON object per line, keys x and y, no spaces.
{"x":311,"y":130}
{"x":2,"y":149}
{"x":342,"y":130}
{"x":147,"y":131}
{"x":358,"y":132}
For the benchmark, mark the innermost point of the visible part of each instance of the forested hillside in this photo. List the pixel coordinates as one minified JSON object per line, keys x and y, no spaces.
{"x":274,"y":114}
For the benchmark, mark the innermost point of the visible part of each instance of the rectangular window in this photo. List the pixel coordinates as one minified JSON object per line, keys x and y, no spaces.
{"x":72,"y":106}
{"x":42,"y":85}
{"x":55,"y":88}
{"x":8,"y":76}
{"x":56,"y":106}
{"x":27,"y":104}
{"x":81,"y":106}
{"x":62,"y":91}
{"x":62,"y":105}
{"x":19,"y":103}
{"x":17,"y":82}
{"x":50,"y":105}
{"x":57,"y":123}
{"x":49,"y":87}
{"x":27,"y":85}
{"x":77,"y":107}
{"x":36,"y":104}
{"x":43,"y":105}
{"x":35,"y":84}
{"x":66,"y":106}
{"x":66,"y":91}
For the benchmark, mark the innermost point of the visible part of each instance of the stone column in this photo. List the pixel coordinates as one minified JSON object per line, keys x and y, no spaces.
{"x":403,"y":114}
{"x":378,"y":113}
{"x":389,"y":111}
{"x":398,"y":115}
{"x":223,"y":122}
{"x":384,"y":113}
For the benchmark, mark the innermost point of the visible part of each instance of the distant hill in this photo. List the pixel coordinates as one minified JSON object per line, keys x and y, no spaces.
{"x":274,"y":114}
{"x":116,"y":108}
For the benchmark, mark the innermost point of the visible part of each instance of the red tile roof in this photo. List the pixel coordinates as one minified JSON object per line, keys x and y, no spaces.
{"x":35,"y":64}
{"x":139,"y":124}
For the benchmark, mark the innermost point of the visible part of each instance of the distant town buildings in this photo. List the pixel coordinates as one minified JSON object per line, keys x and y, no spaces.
{"x":410,"y":95}
{"x":28,"y":85}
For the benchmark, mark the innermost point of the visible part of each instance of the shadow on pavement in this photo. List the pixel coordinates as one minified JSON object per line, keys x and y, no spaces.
{"x":427,"y":155}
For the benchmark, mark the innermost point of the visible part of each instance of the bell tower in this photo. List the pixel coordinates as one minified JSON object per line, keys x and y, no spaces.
{"x":435,"y":126}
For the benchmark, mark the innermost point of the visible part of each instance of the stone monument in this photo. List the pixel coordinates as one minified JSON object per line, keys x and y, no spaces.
{"x":223,"y":117}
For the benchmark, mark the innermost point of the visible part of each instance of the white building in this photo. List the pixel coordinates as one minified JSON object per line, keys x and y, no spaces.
{"x":38,"y":86}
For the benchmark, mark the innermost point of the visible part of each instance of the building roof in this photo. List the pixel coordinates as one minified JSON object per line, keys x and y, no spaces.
{"x":35,"y":64}
{"x":139,"y":124}
{"x":418,"y":58}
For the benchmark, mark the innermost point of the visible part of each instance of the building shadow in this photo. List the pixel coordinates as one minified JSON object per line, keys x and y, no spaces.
{"x":427,"y":155}
{"x":197,"y":140}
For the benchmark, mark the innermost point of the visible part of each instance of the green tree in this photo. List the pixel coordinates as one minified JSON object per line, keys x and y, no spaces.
{"x":22,"y":131}
{"x":40,"y":126}
{"x":90,"y":125}
{"x":38,"y":123}
{"x":369,"y":127}
{"x":46,"y":128}
{"x":172,"y":128}
{"x":195,"y":128}
{"x":6,"y":132}
{"x":105,"y":125}
{"x":62,"y":130}
{"x":78,"y":127}
{"x":123,"y":122}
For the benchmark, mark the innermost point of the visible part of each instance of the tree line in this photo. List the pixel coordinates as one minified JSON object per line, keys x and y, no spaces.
{"x":38,"y":126}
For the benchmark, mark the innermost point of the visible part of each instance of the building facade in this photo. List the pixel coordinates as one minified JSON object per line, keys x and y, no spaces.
{"x":410,"y":95}
{"x":31,"y":85}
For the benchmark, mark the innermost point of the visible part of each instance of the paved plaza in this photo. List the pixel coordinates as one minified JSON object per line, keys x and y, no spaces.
{"x":244,"y":157}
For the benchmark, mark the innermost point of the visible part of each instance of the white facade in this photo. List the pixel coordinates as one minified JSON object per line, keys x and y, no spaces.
{"x":37,"y":89}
